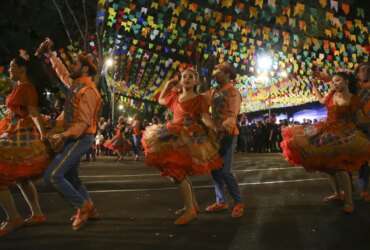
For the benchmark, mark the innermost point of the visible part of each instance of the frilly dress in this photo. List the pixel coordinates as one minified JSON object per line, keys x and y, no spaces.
{"x":118,"y":142}
{"x":22,"y":154}
{"x":184,"y":146}
{"x":335,"y":144}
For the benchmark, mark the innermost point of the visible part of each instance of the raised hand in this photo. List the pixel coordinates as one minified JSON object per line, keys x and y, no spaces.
{"x":45,"y":47}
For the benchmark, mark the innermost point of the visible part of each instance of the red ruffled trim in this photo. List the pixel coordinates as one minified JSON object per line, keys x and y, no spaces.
{"x":114,"y":147}
{"x":10,"y":173}
{"x":178,"y":163}
{"x":343,"y":161}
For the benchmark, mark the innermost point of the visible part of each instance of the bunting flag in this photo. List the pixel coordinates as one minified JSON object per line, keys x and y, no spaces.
{"x":151,"y":40}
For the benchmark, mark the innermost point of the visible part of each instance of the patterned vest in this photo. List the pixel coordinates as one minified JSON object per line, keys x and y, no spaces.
{"x":73,"y":97}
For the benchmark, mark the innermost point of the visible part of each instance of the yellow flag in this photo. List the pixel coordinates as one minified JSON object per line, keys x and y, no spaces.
{"x":299,"y":9}
{"x":323,"y":3}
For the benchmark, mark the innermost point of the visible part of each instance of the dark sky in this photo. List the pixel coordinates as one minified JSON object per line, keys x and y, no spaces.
{"x":24,"y":23}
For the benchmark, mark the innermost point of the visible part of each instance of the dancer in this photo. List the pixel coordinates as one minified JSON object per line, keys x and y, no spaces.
{"x":335,"y":146}
{"x":23,"y":155}
{"x":186,"y":145}
{"x":119,"y":144}
{"x":136,"y":136}
{"x":99,"y":142}
{"x":79,"y":121}
{"x":226,"y":101}
{"x":363,"y":82}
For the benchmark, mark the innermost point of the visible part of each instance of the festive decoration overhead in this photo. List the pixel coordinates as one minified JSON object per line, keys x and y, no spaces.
{"x":151,"y":40}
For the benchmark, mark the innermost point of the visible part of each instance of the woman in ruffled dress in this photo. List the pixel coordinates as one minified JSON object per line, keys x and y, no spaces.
{"x":335,"y":146}
{"x":23,"y":155}
{"x":119,"y":144}
{"x":186,"y":145}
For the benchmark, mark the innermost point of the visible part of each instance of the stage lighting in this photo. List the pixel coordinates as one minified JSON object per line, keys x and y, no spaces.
{"x":284,"y":74}
{"x":264,"y":62}
{"x":109,"y":62}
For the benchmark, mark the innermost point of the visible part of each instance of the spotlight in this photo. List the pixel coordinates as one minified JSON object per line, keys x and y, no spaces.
{"x":262,"y":78}
{"x":284,"y":74}
{"x":109,"y":62}
{"x":264,"y":62}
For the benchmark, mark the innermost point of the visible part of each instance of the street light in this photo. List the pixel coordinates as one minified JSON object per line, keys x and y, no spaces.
{"x":109,"y":62}
{"x":283,"y":74}
{"x":264,"y":62}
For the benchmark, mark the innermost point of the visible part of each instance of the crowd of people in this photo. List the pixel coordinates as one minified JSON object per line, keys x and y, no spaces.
{"x":191,"y":141}
{"x":263,"y":135}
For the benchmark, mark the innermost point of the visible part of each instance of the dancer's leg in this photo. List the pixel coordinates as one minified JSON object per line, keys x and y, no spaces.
{"x":345,"y":182}
{"x":187,"y":195}
{"x":14,"y":219}
{"x":30,"y":194}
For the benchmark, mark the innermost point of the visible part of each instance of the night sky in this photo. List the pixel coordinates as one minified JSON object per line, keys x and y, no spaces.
{"x":24,"y":23}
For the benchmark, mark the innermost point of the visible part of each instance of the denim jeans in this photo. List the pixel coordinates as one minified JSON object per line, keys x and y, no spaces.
{"x":62,"y":172}
{"x":223,"y":175}
{"x":363,"y":177}
{"x":136,"y":140}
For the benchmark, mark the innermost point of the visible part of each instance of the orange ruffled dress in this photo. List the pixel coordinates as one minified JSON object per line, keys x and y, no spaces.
{"x":22,"y":154}
{"x":335,"y":144}
{"x":118,"y":142}
{"x":184,"y":146}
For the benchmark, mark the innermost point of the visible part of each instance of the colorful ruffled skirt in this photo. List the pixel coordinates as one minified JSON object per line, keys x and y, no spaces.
{"x":179,"y":151}
{"x":22,"y":154}
{"x":118,"y":143}
{"x":326,"y":148}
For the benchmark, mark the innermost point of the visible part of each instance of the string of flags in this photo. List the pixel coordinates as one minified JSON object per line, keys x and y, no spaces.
{"x":151,"y":40}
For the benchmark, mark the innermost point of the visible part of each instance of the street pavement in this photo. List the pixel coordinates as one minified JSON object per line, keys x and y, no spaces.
{"x":284,"y":211}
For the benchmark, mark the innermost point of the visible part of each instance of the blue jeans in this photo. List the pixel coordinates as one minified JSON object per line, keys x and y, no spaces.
{"x":62,"y":172}
{"x":363,"y":177}
{"x":136,"y":140}
{"x":223,"y":175}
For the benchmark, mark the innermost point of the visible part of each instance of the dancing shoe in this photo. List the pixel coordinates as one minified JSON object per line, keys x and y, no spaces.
{"x":365,"y":196}
{"x":334,"y":197}
{"x":187,"y":217}
{"x":35,"y":220}
{"x":217,"y":207}
{"x":348,"y":209}
{"x":82,"y":216}
{"x":93,"y":214}
{"x":9,"y":226}
{"x":182,"y":210}
{"x":238,"y":210}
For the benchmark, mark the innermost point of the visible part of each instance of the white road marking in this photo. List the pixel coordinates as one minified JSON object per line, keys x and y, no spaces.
{"x":205,"y":186}
{"x":144,"y":175}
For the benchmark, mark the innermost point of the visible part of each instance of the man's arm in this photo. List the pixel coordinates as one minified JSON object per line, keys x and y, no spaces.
{"x":58,"y":66}
{"x":60,"y":69}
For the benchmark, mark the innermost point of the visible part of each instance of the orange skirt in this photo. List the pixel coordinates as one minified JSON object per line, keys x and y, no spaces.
{"x":326,"y":149}
{"x":118,"y":143}
{"x":179,"y":151}
{"x":22,"y":156}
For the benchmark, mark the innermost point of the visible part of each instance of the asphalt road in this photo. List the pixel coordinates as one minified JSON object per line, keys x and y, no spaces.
{"x":284,"y":211}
